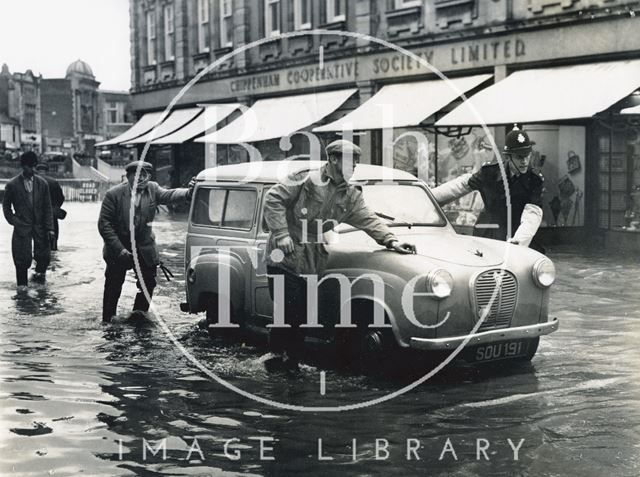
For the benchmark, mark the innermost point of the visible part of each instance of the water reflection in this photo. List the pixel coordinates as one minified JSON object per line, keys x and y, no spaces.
{"x":82,"y":397}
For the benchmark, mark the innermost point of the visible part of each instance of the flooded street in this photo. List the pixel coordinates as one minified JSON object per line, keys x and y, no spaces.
{"x":80,"y":397}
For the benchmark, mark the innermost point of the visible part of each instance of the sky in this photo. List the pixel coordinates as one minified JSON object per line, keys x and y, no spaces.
{"x":47,"y":35}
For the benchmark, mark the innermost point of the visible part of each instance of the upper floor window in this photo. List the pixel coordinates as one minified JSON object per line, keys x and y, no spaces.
{"x":114,"y":112}
{"x":302,"y":14}
{"x":169,"y":33}
{"x":336,"y":11}
{"x":400,"y":4}
{"x":271,"y":18}
{"x":151,"y":37}
{"x":226,"y":23}
{"x":30,"y":117}
{"x":203,"y":26}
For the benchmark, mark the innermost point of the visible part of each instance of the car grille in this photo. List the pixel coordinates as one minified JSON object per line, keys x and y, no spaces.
{"x":504,"y":301}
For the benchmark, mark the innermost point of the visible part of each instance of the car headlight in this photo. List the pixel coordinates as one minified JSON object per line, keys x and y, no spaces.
{"x":440,"y":283}
{"x":544,"y":273}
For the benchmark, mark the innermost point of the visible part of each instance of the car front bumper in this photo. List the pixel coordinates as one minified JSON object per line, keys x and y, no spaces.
{"x":491,"y":336}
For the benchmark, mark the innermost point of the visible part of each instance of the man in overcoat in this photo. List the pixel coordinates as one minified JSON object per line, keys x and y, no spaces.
{"x":115,"y":228}
{"x":27,"y":207}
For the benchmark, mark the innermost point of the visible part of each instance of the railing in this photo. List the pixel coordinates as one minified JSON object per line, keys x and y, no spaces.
{"x":76,"y":190}
{"x":81,"y":190}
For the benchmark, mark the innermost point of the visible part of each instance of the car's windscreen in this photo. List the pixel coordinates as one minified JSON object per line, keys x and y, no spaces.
{"x":399,"y":203}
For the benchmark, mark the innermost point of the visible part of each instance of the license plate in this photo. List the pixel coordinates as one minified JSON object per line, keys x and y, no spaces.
{"x":496,"y":351}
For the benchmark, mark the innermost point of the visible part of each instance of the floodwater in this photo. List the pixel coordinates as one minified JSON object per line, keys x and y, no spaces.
{"x":79,"y":397}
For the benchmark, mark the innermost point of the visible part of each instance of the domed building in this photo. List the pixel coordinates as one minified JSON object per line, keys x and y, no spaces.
{"x":80,"y":68}
{"x":85,"y":96}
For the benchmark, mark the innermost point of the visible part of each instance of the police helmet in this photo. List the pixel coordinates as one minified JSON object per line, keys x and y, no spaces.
{"x":517,"y":142}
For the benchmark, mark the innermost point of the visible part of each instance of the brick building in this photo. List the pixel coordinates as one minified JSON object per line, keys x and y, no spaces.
{"x":65,"y":115}
{"x":531,"y":62}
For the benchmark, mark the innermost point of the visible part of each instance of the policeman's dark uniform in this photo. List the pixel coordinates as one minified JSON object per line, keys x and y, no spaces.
{"x":523,"y":189}
{"x":522,"y":192}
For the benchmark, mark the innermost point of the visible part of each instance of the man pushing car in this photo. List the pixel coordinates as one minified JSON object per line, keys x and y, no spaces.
{"x":294,"y":211}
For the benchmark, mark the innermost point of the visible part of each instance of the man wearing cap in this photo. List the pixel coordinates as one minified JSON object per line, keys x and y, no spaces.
{"x":27,"y":207}
{"x":114,"y":225}
{"x":57,"y":199}
{"x":525,"y":189}
{"x":298,"y":205}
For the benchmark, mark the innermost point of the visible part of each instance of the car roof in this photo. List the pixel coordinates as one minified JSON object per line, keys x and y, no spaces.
{"x":275,"y":171}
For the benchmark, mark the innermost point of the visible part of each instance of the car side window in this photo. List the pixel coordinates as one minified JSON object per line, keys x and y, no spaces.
{"x":232,"y":208}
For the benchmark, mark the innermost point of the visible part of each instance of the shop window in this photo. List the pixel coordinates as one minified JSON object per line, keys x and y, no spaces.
{"x":271,"y":18}
{"x":151,"y":37}
{"x":618,"y":176}
{"x":558,"y":154}
{"x":203,"y":26}
{"x":226,"y":23}
{"x":302,"y":14}
{"x":169,"y":34}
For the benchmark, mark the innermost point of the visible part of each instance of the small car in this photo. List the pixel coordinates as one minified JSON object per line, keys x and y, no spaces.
{"x":486,"y":299}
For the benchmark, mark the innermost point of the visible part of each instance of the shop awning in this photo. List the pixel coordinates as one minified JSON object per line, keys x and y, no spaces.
{"x":406,"y":104}
{"x":144,"y":125}
{"x":278,"y":117}
{"x":174,"y":121}
{"x":549,"y":94}
{"x":632,"y":110}
{"x":206,"y":121}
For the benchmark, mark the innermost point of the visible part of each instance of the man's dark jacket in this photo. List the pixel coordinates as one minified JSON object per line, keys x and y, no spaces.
{"x":114,"y":220}
{"x":28,"y":217}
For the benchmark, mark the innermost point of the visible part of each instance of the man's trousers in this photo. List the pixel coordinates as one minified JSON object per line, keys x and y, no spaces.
{"x":24,"y":252}
{"x":114,"y":276}
{"x":289,"y":340}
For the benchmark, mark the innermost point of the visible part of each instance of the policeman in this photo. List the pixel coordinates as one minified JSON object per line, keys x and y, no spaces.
{"x":114,"y":227}
{"x":294,"y":209}
{"x":525,"y":188}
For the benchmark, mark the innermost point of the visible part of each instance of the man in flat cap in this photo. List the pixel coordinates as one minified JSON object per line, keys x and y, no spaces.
{"x":324,"y":197}
{"x":27,"y":207}
{"x":57,"y":199}
{"x":115,"y":227}
{"x":525,"y":188}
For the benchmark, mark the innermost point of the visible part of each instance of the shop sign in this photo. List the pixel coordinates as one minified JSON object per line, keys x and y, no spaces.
{"x":31,"y":138}
{"x":54,"y":141}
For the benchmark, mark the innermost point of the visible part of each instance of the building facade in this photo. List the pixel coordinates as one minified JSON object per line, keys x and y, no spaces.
{"x":590,"y":163}
{"x":63,"y":115}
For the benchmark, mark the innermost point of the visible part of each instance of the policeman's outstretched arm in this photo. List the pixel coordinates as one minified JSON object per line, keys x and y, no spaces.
{"x":529,"y":224}
{"x":452,"y":190}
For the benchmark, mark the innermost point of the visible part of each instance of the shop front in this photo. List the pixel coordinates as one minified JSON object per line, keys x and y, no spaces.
{"x":410,"y":111}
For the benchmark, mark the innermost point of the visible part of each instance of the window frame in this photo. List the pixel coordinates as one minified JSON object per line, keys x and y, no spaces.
{"x":268,"y":19}
{"x":332,"y":17}
{"x":168,"y":12}
{"x":151,"y":38}
{"x":224,"y":31}
{"x":297,"y":15}
{"x":202,"y":27}
{"x":402,"y":4}
{"x":226,"y":190}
